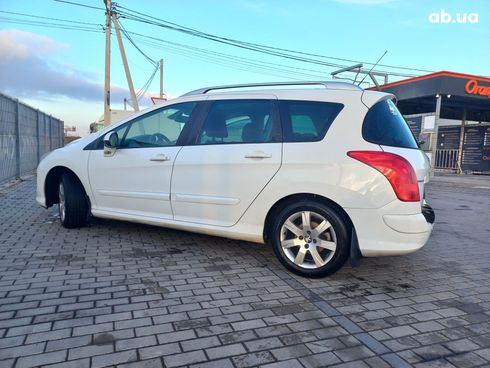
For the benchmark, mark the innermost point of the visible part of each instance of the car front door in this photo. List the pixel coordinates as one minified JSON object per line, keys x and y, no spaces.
{"x":236,"y":153}
{"x":135,"y":180}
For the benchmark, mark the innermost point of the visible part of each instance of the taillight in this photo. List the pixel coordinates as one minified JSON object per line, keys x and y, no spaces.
{"x":396,"y":169}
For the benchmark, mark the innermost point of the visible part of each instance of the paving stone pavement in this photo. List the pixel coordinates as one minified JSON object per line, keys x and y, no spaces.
{"x":129,"y":295}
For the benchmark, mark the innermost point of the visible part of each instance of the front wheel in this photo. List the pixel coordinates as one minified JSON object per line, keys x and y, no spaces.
{"x":310,"y":239}
{"x":72,"y":202}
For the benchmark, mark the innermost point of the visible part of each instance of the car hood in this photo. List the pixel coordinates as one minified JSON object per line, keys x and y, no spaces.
{"x":82,"y":142}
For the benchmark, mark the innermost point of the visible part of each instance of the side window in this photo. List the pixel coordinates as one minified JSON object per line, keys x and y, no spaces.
{"x":303,"y":125}
{"x":159,"y":128}
{"x":385,"y":125}
{"x":306,"y":121}
{"x":237,"y":121}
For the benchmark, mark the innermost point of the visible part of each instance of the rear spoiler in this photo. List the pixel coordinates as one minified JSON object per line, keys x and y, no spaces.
{"x":370,"y":98}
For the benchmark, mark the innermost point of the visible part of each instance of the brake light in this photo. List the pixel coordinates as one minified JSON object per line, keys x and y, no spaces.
{"x":396,"y":169}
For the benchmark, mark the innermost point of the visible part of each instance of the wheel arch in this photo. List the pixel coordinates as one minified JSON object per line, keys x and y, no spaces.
{"x":51,"y":183}
{"x":283,"y":202}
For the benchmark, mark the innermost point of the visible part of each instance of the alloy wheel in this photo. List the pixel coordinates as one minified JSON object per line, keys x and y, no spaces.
{"x":308,"y":239}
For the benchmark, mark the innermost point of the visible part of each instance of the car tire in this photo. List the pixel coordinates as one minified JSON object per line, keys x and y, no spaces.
{"x":310,"y":238}
{"x":72,"y":202}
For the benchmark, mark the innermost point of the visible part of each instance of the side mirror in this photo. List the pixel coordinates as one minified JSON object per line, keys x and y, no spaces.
{"x":111,"y":142}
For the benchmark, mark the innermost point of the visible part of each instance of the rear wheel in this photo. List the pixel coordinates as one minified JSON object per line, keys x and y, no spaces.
{"x":310,"y":239}
{"x":72,"y":202}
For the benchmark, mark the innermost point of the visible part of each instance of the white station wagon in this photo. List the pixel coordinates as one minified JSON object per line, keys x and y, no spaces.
{"x":322,"y":171}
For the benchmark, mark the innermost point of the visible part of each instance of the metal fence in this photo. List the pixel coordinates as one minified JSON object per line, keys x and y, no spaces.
{"x":446,"y":159}
{"x":25,"y":135}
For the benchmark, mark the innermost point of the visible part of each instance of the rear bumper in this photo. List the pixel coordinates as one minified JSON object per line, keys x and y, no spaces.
{"x":384,"y":232}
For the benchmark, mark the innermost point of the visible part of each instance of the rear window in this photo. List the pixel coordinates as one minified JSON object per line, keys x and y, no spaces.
{"x":385,"y":125}
{"x":306,"y":121}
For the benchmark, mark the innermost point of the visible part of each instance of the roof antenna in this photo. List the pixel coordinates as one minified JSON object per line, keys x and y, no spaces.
{"x":369,"y":72}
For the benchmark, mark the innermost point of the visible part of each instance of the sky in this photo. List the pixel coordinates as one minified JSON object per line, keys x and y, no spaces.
{"x":61,"y":71}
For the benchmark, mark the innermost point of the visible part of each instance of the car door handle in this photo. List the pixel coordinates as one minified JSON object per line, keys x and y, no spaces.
{"x":160,"y":158}
{"x":258,"y":154}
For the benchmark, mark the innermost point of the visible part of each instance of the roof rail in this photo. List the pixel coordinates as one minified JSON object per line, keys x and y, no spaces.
{"x":326,"y":84}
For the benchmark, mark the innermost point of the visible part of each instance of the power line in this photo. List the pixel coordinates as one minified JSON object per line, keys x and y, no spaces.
{"x":206,"y":55}
{"x":145,"y":87}
{"x":233,"y":62}
{"x":126,"y":34}
{"x":210,"y":57}
{"x":216,"y":61}
{"x":235,"y":65}
{"x":49,"y":18}
{"x":248,"y":45}
{"x":273,"y":53}
{"x":207,"y":51}
{"x":63,"y":26}
{"x":47,"y":24}
{"x":252,"y":48}
{"x":78,"y":4}
{"x":221,"y":58}
{"x":280,"y":52}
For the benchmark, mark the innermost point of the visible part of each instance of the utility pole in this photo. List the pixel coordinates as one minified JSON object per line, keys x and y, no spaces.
{"x":436,"y":131}
{"x":161,"y":78}
{"x":107,"y":80}
{"x":134,"y":100}
{"x":461,"y":142}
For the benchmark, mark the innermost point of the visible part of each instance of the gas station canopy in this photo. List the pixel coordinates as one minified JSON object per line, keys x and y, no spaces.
{"x":458,"y":91}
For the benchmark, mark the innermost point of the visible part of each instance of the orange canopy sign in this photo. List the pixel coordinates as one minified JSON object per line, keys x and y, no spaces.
{"x":473,"y":88}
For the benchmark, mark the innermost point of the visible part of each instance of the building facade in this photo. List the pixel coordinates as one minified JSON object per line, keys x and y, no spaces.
{"x":449,"y":113}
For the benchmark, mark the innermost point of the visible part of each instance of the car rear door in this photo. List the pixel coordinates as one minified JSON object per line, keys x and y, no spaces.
{"x":236,"y":152}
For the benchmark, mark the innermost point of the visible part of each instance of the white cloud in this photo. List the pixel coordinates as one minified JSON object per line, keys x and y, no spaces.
{"x":28,"y":69}
{"x":16,"y":44}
